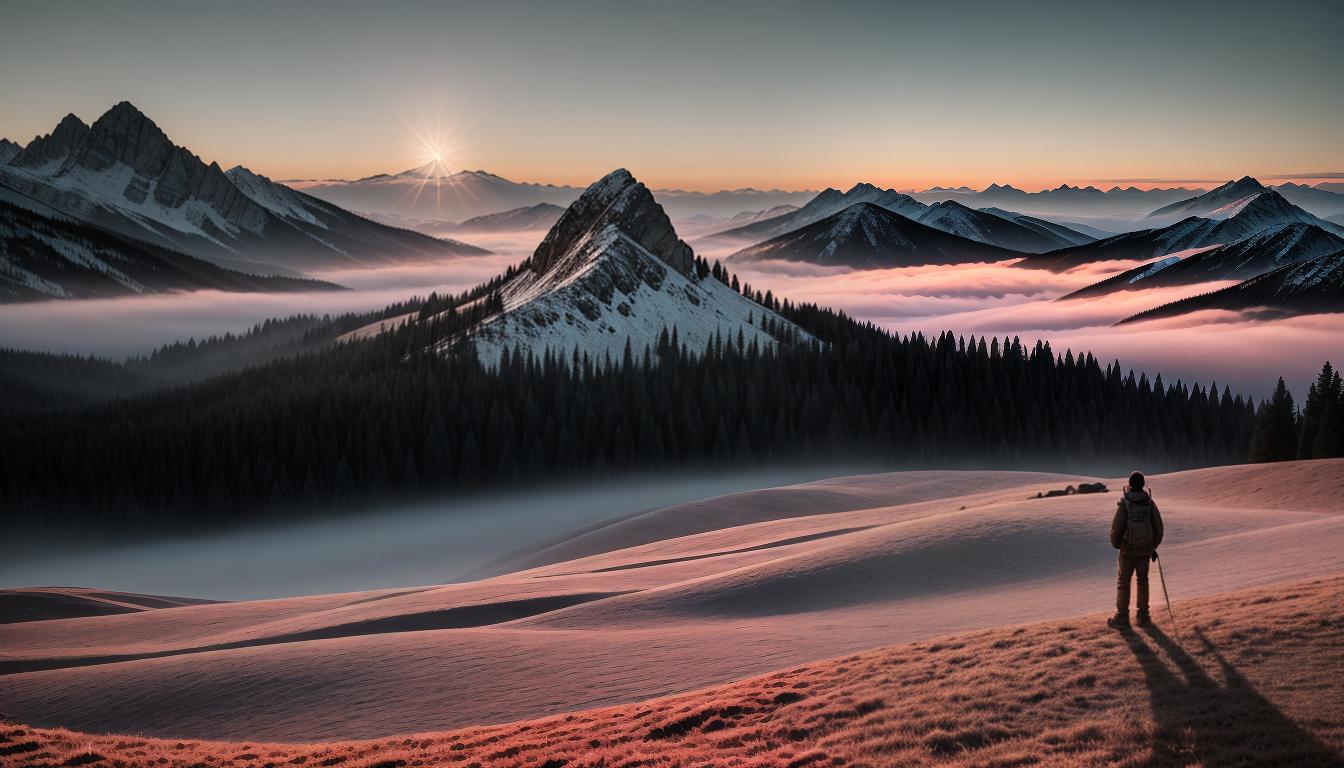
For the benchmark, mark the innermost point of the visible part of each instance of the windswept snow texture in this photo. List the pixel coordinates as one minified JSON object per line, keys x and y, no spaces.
{"x":612,"y":272}
{"x":868,"y":236}
{"x":1154,"y":268}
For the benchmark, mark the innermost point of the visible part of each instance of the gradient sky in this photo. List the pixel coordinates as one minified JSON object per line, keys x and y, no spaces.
{"x":705,"y":95}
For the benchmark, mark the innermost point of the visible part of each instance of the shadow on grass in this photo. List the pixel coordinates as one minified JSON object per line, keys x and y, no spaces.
{"x":1206,"y":722}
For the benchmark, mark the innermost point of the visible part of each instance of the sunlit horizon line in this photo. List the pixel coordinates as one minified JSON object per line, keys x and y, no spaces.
{"x":445,"y":169}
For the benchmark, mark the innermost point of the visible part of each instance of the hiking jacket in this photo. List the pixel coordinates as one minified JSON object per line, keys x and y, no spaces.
{"x":1121,"y":521}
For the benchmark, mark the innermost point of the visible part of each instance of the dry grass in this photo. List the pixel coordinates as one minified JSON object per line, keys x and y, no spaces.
{"x":1258,"y":679}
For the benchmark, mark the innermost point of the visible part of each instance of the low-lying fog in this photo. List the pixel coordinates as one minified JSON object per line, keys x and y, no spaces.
{"x":432,"y":543}
{"x":979,"y":299}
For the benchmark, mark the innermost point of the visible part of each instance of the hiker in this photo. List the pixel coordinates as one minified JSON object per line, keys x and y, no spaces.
{"x":1136,"y":531}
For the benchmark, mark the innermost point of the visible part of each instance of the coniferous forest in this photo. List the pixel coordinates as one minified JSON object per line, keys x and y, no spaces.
{"x":362,"y":423}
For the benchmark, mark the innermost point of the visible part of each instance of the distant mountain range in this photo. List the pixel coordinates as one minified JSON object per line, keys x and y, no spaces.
{"x":997,"y":227}
{"x":612,"y":272}
{"x":1248,"y":215}
{"x":124,"y":175}
{"x":1325,"y":199}
{"x":868,"y":236}
{"x":1064,"y":200}
{"x":426,"y":194}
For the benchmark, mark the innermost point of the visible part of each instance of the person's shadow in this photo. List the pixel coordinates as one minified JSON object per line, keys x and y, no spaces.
{"x":1201,"y":721}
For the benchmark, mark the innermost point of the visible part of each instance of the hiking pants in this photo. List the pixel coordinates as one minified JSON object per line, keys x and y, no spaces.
{"x":1135,"y":566}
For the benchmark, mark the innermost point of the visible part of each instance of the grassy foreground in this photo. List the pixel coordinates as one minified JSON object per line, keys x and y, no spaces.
{"x":1253,"y":678}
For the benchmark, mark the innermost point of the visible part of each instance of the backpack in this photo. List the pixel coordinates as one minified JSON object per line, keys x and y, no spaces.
{"x":1139,"y":524}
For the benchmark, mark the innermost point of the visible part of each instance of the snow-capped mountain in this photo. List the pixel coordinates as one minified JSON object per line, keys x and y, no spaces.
{"x":827,"y":203}
{"x":612,"y":270}
{"x":1250,"y":215}
{"x":1318,"y":201}
{"x":427,"y":193}
{"x":44,"y":255}
{"x":123,"y":174}
{"x":1312,"y":286}
{"x":869,"y":236}
{"x":1255,"y":255}
{"x":1214,"y":203}
{"x":1023,"y":234}
{"x":539,"y":216}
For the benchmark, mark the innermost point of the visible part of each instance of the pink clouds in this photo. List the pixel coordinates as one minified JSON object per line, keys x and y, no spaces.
{"x":1000,"y":300}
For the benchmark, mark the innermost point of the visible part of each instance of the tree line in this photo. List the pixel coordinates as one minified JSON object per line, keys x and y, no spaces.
{"x":402,"y":416}
{"x":1283,"y":433}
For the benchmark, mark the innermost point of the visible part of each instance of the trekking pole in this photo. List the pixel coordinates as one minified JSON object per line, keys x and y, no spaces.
{"x":1167,"y":597}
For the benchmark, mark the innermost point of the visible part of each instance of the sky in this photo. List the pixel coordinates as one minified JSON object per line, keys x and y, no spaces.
{"x":705,"y":95}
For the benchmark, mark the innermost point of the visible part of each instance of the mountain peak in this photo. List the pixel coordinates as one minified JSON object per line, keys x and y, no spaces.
{"x":125,"y":109}
{"x":124,"y":134}
{"x":1244,"y":186}
{"x":55,"y":145}
{"x":860,"y":188}
{"x":615,"y":200}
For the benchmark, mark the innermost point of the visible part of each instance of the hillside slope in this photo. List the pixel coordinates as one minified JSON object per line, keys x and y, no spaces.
{"x":666,"y":603}
{"x":1251,"y":678}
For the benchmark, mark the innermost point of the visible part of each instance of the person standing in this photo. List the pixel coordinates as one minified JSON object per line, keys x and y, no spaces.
{"x":1136,"y":530}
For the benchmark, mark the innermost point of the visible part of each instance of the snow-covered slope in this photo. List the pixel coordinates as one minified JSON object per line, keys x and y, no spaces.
{"x":613,"y":272}
{"x":1209,"y":205}
{"x":53,"y":257}
{"x":124,"y":174}
{"x":1312,"y":286}
{"x":1260,"y":253}
{"x":868,"y":236}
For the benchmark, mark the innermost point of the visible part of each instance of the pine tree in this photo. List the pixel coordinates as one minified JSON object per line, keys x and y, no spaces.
{"x":1275,"y":435}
